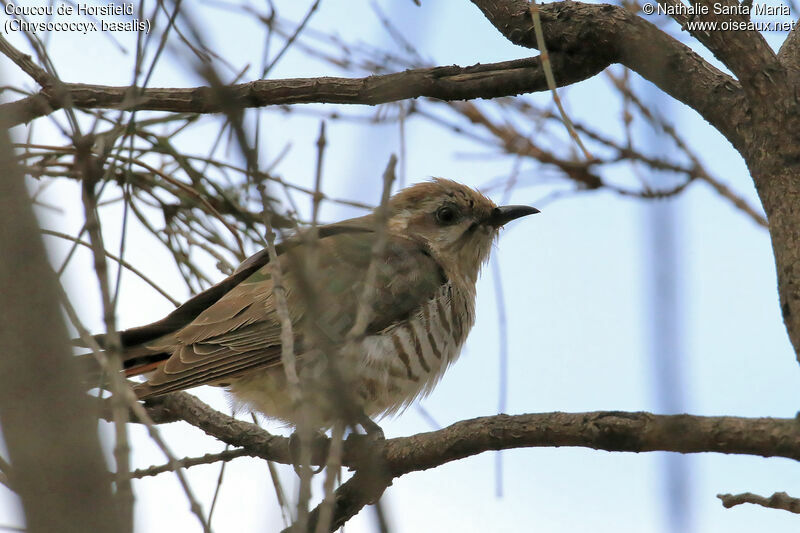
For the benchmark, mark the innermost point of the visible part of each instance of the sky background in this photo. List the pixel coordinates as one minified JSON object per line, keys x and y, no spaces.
{"x":578,"y":290}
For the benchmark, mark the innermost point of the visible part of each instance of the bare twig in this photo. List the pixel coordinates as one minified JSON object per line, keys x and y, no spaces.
{"x":551,"y":81}
{"x":779,"y":500}
{"x":502,"y":386}
{"x":54,"y":482}
{"x":364,"y":313}
{"x":188,"y":462}
{"x":317,"y":197}
{"x":138,"y":411}
{"x":113,"y":257}
{"x":291,"y":39}
{"x":363,"y":488}
{"x":188,"y":189}
{"x":217,"y":488}
{"x":24,"y":61}
{"x":6,"y":474}
{"x":280,"y":494}
{"x":289,"y":362}
{"x":332,"y":467}
{"x":90,"y":168}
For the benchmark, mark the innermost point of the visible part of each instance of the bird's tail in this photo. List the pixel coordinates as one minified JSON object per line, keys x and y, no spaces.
{"x":137,"y":357}
{"x":136,"y":361}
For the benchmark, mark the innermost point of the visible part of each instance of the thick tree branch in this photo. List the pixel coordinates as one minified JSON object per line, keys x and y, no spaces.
{"x":587,"y":31}
{"x":445,"y":83}
{"x":602,"y":430}
{"x":789,"y":54}
{"x":744,"y":50}
{"x":184,"y":406}
{"x":24,"y":110}
{"x":583,"y":39}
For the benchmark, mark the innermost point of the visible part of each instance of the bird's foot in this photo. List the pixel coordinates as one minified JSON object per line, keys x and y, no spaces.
{"x":295,"y":451}
{"x":372,"y":429}
{"x":365,"y":446}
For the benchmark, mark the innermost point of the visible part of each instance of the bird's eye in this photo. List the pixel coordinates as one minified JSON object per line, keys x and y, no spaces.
{"x":447,"y":214}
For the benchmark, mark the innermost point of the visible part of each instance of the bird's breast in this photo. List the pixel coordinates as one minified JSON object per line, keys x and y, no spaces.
{"x":407,"y":359}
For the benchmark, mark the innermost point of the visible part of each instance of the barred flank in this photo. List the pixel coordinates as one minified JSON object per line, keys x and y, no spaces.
{"x":401,"y":352}
{"x":414,"y":353}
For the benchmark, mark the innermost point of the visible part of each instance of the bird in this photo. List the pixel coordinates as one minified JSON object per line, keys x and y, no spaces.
{"x":437,"y":236}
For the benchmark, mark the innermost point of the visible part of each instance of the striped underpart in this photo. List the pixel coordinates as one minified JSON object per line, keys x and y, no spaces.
{"x":407,"y":359}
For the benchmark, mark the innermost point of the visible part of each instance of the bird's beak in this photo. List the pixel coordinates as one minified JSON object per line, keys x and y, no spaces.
{"x":504,"y":214}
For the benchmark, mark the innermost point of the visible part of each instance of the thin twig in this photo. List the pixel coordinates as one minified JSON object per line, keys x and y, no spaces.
{"x":551,"y":81}
{"x":140,"y":413}
{"x":699,"y":170}
{"x":217,"y":488}
{"x":317,"y":196}
{"x":113,"y":257}
{"x":24,"y":61}
{"x":332,"y":467}
{"x":779,"y":500}
{"x":364,"y":313}
{"x":280,"y":495}
{"x":188,"y":462}
{"x":90,"y":167}
{"x":6,"y":474}
{"x":188,"y":189}
{"x":281,"y":307}
{"x":289,"y":362}
{"x":291,"y":39}
{"x":502,"y":326}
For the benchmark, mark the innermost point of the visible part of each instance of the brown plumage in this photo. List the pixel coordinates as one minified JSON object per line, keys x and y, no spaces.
{"x":438,"y":235}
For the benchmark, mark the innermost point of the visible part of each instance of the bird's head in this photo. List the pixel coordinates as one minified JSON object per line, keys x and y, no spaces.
{"x":456,"y":223}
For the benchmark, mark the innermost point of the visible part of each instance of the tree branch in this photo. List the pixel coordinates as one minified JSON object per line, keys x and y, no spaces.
{"x":789,"y":53}
{"x":779,"y":500}
{"x":446,"y":83}
{"x":184,"y":406}
{"x":583,"y":39}
{"x":188,"y":462}
{"x":364,"y":488}
{"x":24,"y":62}
{"x":589,"y":31}
{"x":599,"y":430}
{"x":744,"y":50}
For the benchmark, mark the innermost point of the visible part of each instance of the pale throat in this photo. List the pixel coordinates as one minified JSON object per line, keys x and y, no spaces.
{"x":462,"y":263}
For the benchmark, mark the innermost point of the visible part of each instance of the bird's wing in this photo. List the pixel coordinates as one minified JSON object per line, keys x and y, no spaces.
{"x":189,"y":310}
{"x":241,"y":330}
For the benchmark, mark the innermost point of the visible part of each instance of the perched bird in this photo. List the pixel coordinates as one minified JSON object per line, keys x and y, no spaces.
{"x":438,"y":235}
